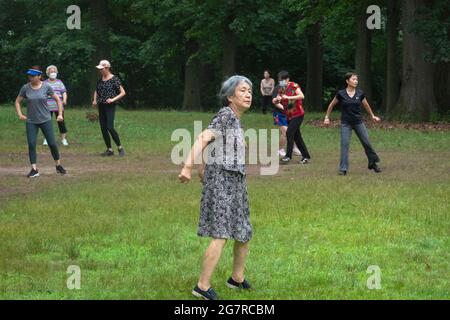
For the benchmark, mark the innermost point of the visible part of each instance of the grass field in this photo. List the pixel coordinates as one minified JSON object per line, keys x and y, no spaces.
{"x":131,"y":226}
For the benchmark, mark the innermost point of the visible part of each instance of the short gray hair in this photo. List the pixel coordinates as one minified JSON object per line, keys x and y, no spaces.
{"x":229,"y":87}
{"x":50,"y":67}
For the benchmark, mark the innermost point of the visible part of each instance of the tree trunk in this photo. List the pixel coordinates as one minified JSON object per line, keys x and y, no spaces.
{"x":100,"y":37}
{"x":191,"y":97}
{"x":441,"y":81}
{"x":313,"y":96}
{"x":229,"y":50}
{"x":392,"y":68}
{"x":363,"y":53}
{"x":417,"y":99}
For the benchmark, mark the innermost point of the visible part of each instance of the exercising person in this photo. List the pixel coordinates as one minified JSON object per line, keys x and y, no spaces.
{"x":109,"y":90}
{"x":36,"y":92}
{"x":59,"y":89}
{"x":350,"y":100}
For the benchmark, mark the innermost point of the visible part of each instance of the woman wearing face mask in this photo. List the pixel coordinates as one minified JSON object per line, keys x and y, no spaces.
{"x":109,"y":91}
{"x":290,"y":96}
{"x":38,"y":117}
{"x":351,"y":100}
{"x":60,"y":90}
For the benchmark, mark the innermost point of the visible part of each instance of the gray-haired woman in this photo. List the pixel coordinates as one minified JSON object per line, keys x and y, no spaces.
{"x":224,"y":205}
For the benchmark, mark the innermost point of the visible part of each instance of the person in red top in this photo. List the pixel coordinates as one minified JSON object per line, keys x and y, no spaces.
{"x":291,"y":97}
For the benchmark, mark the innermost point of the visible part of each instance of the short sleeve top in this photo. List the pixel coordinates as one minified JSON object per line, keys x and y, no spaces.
{"x":37,"y":111}
{"x":351,"y":107}
{"x":108,"y":89}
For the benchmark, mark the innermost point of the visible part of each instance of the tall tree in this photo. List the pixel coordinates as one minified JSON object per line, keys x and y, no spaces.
{"x":392,"y":69}
{"x":363,"y":51}
{"x":314,"y":78}
{"x":417,"y":100}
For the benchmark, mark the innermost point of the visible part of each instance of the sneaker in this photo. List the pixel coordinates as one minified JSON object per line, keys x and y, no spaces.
{"x":342,"y":172}
{"x":305,"y":161}
{"x":238,"y":285}
{"x":285,"y":160}
{"x":121,"y":152}
{"x":209,"y":294}
{"x":64,"y":142}
{"x":33,"y":173}
{"x":296,"y":151}
{"x":45,"y":142}
{"x":107,"y":153}
{"x":374,"y":167}
{"x":282,"y":153}
{"x":60,"y":169}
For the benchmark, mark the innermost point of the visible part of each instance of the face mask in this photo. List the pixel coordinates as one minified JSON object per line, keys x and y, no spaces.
{"x":52,"y":75}
{"x":283,"y":83}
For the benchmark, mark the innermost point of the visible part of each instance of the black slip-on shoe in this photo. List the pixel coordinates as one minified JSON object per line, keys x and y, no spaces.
{"x":60,"y":169}
{"x":121,"y":152}
{"x":374,"y":167}
{"x":244,"y":285}
{"x":209,"y":294}
{"x":33,"y":174}
{"x":107,"y":153}
{"x":342,"y":172}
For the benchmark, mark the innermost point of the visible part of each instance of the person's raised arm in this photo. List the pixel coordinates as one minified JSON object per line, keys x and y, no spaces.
{"x":332,"y":104}
{"x":298,"y":95}
{"x":18,"y":101}
{"x":369,"y":110}
{"x":197,"y":150}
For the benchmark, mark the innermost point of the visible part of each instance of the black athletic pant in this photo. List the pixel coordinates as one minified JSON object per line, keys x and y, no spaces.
{"x":106,"y":114}
{"x":61,"y":125}
{"x":293,"y":134}
{"x":32,"y":132}
{"x":266,"y":103}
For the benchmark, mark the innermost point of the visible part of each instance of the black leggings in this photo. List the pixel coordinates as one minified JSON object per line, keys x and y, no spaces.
{"x":47,"y":130}
{"x":61,"y":125}
{"x":293,"y":134}
{"x":106,"y":114}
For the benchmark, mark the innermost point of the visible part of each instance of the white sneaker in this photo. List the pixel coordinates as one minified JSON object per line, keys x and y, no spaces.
{"x":296,"y":151}
{"x":45,"y":142}
{"x":64,"y":142}
{"x":282,"y":153}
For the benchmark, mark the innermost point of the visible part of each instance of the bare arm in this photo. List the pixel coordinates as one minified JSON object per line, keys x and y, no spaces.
{"x":261,"y":88}
{"x":18,"y":101}
{"x":197,"y":150}
{"x":59,"y":104}
{"x":118,"y":97}
{"x":94,"y":100}
{"x":332,"y":104}
{"x":298,"y":95}
{"x":369,"y":110}
{"x":65,"y":98}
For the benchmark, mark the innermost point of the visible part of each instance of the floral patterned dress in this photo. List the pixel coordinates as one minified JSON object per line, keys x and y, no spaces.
{"x":224,"y":208}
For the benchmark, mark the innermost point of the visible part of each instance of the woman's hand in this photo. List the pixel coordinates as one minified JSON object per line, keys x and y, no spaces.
{"x":94,"y":104}
{"x":185,"y":174}
{"x":376,"y":119}
{"x":286,"y":97}
{"x":201,"y":173}
{"x":22,"y":117}
{"x":327,"y":121}
{"x":59,"y":118}
{"x":109,"y":100}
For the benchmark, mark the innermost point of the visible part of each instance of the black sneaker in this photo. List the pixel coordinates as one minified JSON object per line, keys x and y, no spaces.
{"x":33,"y":173}
{"x":305,"y":161}
{"x":107,"y":153}
{"x":374,"y":167}
{"x":238,"y":285}
{"x":285,"y":160}
{"x":342,"y":172}
{"x":60,"y":169}
{"x":209,"y":294}
{"x":121,"y":152}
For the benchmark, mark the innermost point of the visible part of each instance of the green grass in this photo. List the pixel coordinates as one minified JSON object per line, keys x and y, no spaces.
{"x":131,"y":226}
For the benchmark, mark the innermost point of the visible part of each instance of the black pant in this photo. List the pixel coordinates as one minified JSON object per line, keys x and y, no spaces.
{"x":61,"y":125}
{"x":266,"y":102}
{"x":106,"y":114}
{"x":293,"y":134}
{"x":47,"y":130}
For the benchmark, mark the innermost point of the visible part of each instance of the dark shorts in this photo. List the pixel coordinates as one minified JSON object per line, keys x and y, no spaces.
{"x":279,"y":119}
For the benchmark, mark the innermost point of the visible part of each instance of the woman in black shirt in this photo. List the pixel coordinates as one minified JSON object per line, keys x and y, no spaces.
{"x":351,"y":100}
{"x":109,"y":90}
